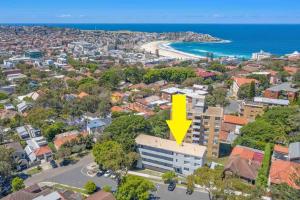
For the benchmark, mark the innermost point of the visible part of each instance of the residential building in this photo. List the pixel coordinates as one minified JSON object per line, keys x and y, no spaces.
{"x":37,"y":150}
{"x":244,"y":162}
{"x":28,"y":131}
{"x":291,"y":70}
{"x":63,"y":138}
{"x":101,"y":195}
{"x":283,"y":171}
{"x":282,"y":91}
{"x":36,"y":192}
{"x":117,"y":97}
{"x":166,"y":155}
{"x":195,"y":97}
{"x":19,"y":155}
{"x":258,"y":56}
{"x":230,"y":130}
{"x":238,"y":82}
{"x":210,"y":130}
{"x":295,"y":56}
{"x":205,"y":74}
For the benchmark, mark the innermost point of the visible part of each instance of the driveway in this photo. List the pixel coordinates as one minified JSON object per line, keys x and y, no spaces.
{"x":75,"y":175}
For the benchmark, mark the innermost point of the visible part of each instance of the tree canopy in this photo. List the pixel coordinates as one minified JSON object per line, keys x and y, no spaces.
{"x":134,"y":187}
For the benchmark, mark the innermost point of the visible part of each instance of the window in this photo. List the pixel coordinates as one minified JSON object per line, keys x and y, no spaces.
{"x":186,"y":169}
{"x":157,"y":156}
{"x":186,"y":156}
{"x":186,"y":162}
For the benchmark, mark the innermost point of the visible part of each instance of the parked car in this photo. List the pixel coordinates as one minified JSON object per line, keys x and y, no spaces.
{"x":100,"y":173}
{"x":64,"y":163}
{"x":53,"y":164}
{"x":172,"y":186}
{"x":107,"y":173}
{"x":113,"y":176}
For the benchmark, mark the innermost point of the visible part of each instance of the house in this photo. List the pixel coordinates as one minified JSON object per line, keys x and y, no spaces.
{"x":291,"y":70}
{"x":294,"y":152}
{"x":32,"y":95}
{"x":101,"y":195}
{"x":230,"y":129}
{"x":96,"y":125}
{"x":283,"y":171}
{"x":244,"y":162}
{"x":24,"y":106}
{"x":28,"y":131}
{"x":63,"y":138}
{"x":7,"y":114}
{"x":37,"y":150}
{"x":282,"y":91}
{"x":19,"y":155}
{"x":238,"y":82}
{"x":117,"y":97}
{"x":166,"y":155}
{"x":205,"y":74}
{"x":295,"y":56}
{"x":35,"y":192}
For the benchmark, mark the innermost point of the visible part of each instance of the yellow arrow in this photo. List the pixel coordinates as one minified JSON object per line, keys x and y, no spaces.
{"x":178,"y":124}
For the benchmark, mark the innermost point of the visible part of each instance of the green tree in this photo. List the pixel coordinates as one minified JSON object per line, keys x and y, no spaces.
{"x":52,"y":130}
{"x":3,"y":96}
{"x":159,"y":127}
{"x":6,"y":162}
{"x":252,"y":90}
{"x":110,"y":78}
{"x":169,"y":176}
{"x":64,"y":152}
{"x":284,"y":192}
{"x":134,"y":74}
{"x":263,"y":173}
{"x":110,"y":155}
{"x":125,"y":129}
{"x":17,"y":184}
{"x":90,"y":187}
{"x":134,"y":187}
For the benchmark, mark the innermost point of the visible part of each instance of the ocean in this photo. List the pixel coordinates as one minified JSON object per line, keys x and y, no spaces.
{"x":242,"y":39}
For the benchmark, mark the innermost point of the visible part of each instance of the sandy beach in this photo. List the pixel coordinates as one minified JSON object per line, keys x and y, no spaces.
{"x":167,"y":51}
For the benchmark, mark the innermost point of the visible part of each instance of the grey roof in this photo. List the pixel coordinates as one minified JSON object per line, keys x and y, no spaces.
{"x":294,"y":150}
{"x":265,"y":100}
{"x":283,"y":87}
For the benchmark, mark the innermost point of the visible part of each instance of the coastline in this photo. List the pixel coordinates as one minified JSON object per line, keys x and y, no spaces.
{"x":166,"y":51}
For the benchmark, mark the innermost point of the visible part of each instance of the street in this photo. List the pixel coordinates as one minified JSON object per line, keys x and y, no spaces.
{"x":74,"y":175}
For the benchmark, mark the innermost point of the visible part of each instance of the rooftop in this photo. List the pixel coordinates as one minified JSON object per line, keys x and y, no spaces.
{"x":265,"y":100}
{"x":170,"y":145}
{"x":285,"y":172}
{"x":235,"y":120}
{"x":283,"y":87}
{"x":294,"y":150}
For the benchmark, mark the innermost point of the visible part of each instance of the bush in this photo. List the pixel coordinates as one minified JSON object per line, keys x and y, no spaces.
{"x":90,"y":187}
{"x":262,"y":177}
{"x":106,"y":188}
{"x":17,"y":184}
{"x":169,"y":176}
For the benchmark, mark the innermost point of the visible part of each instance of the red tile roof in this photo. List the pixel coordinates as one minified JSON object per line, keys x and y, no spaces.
{"x":232,"y":119}
{"x":241,"y":80}
{"x":247,"y":153}
{"x":101,"y":195}
{"x":291,"y":70}
{"x":117,"y":109}
{"x":285,"y":172}
{"x":281,"y":149}
{"x":204,"y":74}
{"x":42,"y":151}
{"x":223,"y":135}
{"x":67,"y":137}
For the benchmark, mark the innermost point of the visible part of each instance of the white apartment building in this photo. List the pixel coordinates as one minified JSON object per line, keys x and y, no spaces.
{"x":166,"y":155}
{"x":261,"y":55}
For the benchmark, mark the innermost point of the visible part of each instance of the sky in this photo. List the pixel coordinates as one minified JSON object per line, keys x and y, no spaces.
{"x":150,"y":11}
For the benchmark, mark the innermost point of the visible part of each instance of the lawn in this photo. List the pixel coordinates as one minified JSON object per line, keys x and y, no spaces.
{"x":74,"y":189}
{"x":33,"y":171}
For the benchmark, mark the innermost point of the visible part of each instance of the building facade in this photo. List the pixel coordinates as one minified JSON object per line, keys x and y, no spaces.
{"x":166,"y":155}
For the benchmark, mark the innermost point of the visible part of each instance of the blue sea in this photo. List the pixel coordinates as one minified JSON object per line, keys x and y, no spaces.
{"x":242,"y":39}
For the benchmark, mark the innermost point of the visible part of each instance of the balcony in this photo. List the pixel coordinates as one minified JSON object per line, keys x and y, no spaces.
{"x":196,"y":127}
